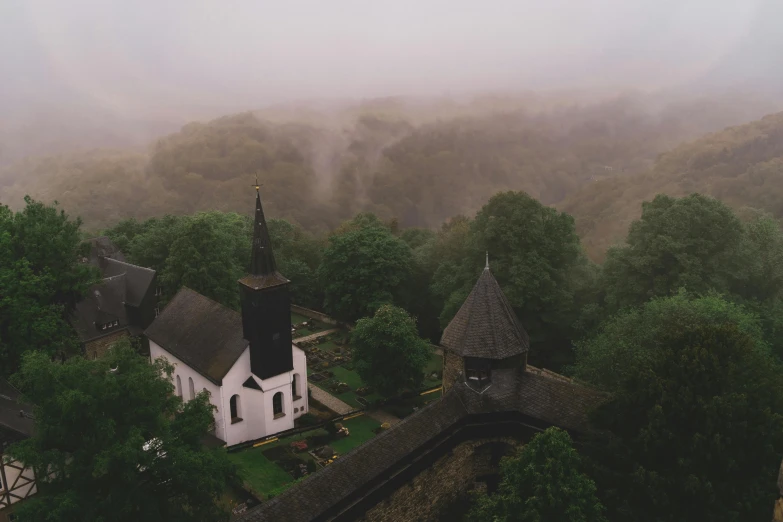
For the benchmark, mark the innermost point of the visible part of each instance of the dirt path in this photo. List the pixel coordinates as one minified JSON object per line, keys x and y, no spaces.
{"x":329,"y":400}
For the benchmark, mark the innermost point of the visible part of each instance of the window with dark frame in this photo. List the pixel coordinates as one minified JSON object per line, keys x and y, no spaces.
{"x":277,"y":405}
{"x":478,"y":372}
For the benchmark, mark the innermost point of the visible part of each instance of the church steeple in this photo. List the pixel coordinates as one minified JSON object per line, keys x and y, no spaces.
{"x":266,"y":305}
{"x":262,"y":260}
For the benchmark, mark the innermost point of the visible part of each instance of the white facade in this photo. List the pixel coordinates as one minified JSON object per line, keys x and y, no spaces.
{"x":16,"y":482}
{"x":254,"y":410}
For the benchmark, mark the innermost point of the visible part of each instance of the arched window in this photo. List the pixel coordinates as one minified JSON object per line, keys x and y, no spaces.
{"x":295,"y":387}
{"x":277,"y":405}
{"x":192,"y":388}
{"x":236,"y":409}
{"x":179,"y":387}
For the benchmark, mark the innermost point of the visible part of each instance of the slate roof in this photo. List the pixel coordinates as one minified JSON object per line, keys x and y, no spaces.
{"x":203,"y":333}
{"x":138,"y":279}
{"x":13,"y":426}
{"x":553,"y":401}
{"x":263,"y":268}
{"x":103,"y":303}
{"x":485,"y":325}
{"x":102,"y":247}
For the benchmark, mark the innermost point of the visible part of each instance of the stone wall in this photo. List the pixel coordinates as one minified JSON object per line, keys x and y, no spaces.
{"x":98,"y":347}
{"x":452,"y":367}
{"x":431,"y":492}
{"x":312,"y":314}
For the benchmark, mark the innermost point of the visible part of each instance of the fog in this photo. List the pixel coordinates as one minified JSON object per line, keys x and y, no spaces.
{"x":176,"y":59}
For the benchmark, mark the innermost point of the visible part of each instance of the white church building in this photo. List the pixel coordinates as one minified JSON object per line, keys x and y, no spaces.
{"x":255,"y":376}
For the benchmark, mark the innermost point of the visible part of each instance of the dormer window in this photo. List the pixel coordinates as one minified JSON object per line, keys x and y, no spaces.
{"x":158,"y":291}
{"x":103,"y":326}
{"x":116,"y":323}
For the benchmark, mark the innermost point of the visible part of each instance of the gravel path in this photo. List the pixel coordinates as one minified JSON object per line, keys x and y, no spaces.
{"x":383,"y":416}
{"x":315,"y":335}
{"x":329,"y":400}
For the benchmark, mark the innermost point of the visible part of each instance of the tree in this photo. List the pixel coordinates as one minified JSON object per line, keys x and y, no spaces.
{"x":694,"y":242}
{"x":210,"y":253}
{"x":693,"y":429}
{"x":298,"y":255}
{"x":363,"y":269}
{"x":113,"y":442}
{"x":41,"y":279}
{"x":533,"y":251}
{"x":542,"y":483}
{"x":388,"y":353}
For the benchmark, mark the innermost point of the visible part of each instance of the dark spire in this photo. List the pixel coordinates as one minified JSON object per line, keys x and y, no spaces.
{"x":486,"y":325}
{"x":262,"y":260}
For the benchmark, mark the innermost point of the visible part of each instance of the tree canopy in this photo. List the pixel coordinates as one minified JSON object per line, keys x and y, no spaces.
{"x":363,"y":269}
{"x":694,"y":426}
{"x":113,"y":442}
{"x":41,"y":279}
{"x":543,"y":482}
{"x":388,"y":353}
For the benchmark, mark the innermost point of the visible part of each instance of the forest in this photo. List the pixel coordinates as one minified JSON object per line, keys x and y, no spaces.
{"x":655,"y":277}
{"x":418,"y":162}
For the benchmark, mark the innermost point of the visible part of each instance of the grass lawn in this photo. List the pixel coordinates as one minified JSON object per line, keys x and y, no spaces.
{"x":262,"y":474}
{"x":298,"y":319}
{"x":360,"y":429}
{"x":351,"y":378}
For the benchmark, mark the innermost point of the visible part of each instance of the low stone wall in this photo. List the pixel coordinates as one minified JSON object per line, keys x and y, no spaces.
{"x":432,"y":491}
{"x":312,"y":314}
{"x":98,"y":347}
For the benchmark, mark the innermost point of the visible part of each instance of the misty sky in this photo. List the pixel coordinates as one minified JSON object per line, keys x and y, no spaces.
{"x":144,"y":56}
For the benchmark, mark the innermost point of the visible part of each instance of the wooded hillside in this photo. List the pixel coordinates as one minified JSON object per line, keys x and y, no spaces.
{"x":742,"y":166}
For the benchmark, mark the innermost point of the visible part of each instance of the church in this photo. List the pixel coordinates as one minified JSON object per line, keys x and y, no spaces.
{"x":256,"y":377}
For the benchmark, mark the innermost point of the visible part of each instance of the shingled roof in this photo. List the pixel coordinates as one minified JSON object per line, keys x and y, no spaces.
{"x":553,"y":402}
{"x":103,"y":303}
{"x":486,"y":325}
{"x":203,"y":333}
{"x":101,"y":248}
{"x":263,"y":268}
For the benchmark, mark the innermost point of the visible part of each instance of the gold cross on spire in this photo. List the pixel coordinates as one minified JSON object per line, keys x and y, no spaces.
{"x":257,"y":186}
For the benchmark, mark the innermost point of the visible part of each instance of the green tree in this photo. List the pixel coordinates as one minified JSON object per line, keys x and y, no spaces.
{"x":41,"y":279}
{"x":210,"y":253}
{"x":388,"y":353}
{"x":544,"y":482}
{"x":533,"y":252}
{"x":298,"y":255}
{"x":363,"y":269}
{"x":113,"y":442}
{"x":694,"y":242}
{"x":693,"y":428}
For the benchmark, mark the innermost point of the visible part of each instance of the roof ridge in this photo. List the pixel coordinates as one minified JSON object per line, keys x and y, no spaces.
{"x":128,"y":264}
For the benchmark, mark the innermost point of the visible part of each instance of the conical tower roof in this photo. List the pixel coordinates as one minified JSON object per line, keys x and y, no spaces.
{"x":263,"y":269}
{"x":486,"y":325}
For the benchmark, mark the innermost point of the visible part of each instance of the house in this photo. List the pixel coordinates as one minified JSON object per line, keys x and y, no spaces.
{"x":16,"y":423}
{"x":123,"y":304}
{"x":255,"y":376}
{"x":421,"y":467}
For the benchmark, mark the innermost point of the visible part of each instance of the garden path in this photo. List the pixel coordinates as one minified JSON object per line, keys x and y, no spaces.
{"x":329,"y":400}
{"x":383,"y":416}
{"x":315,"y":335}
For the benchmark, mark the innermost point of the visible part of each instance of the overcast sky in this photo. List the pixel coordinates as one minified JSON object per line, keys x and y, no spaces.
{"x":143,"y":56}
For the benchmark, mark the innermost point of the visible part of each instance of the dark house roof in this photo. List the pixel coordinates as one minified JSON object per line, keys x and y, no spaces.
{"x":138,"y":279}
{"x":102,"y":247}
{"x":203,"y":333}
{"x":532,"y":399}
{"x":104,"y":303}
{"x":486,"y":325}
{"x":13,"y":425}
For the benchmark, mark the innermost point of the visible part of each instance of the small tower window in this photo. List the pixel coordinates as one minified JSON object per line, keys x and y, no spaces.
{"x":295,"y":387}
{"x":277,"y":405}
{"x":478,"y":372}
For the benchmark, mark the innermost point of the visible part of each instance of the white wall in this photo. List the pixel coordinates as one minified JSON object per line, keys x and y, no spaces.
{"x":17,"y":483}
{"x":256,"y":409}
{"x":199,"y":383}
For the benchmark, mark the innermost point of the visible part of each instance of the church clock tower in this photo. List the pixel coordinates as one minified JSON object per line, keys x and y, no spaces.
{"x":266,"y":306}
